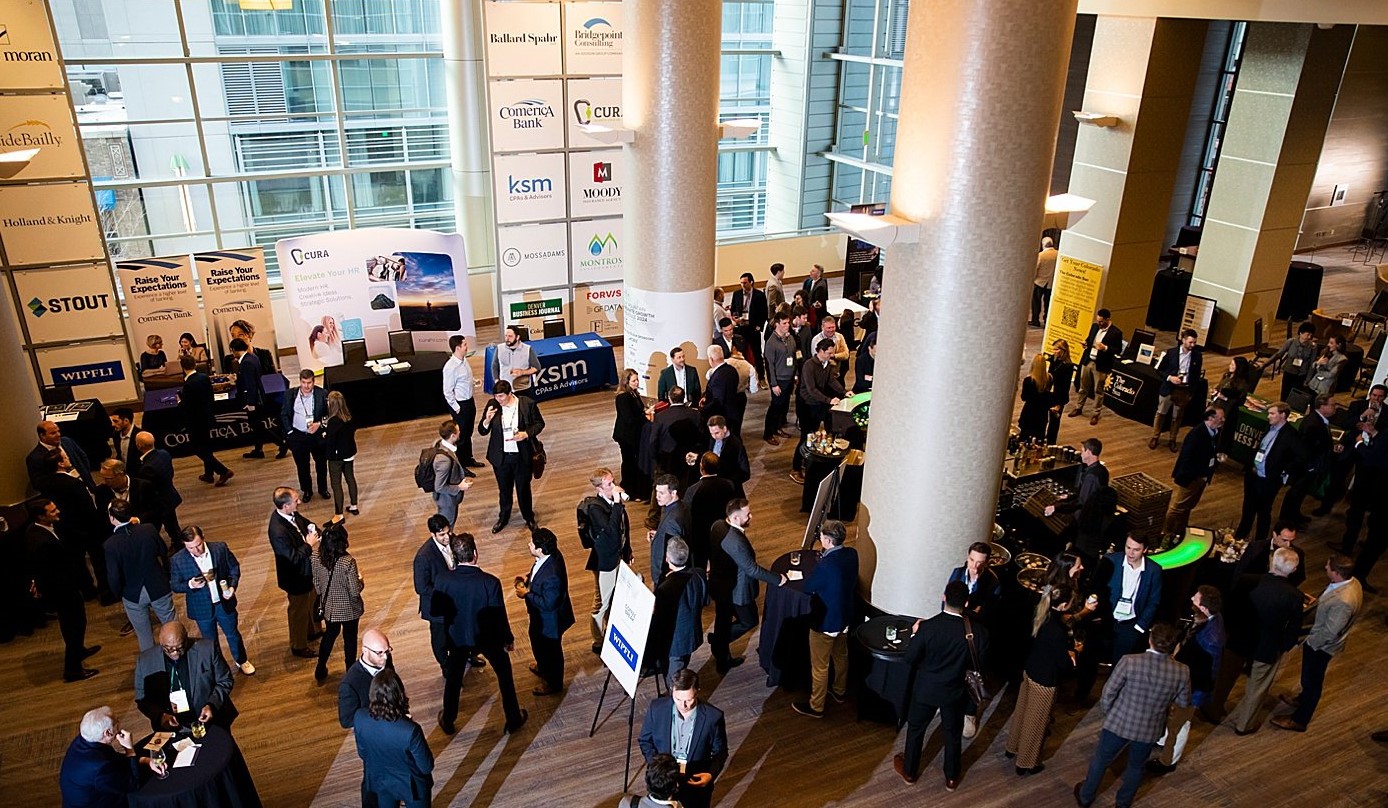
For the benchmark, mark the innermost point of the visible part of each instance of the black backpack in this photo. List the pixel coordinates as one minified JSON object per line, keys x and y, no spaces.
{"x":424,"y":469}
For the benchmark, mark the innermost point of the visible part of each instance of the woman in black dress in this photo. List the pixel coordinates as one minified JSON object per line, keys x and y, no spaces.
{"x":1062,"y":374}
{"x":1036,"y":400}
{"x":1050,"y":655}
{"x":631,"y":417}
{"x":342,"y":452}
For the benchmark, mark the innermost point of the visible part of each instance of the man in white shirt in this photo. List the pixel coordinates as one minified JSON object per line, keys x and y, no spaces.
{"x":457,"y":391}
{"x":516,"y":363}
{"x":1041,"y":285}
{"x":512,"y":424}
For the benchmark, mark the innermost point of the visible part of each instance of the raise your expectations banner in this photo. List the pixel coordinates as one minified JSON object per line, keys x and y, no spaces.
{"x":235,"y":290}
{"x":160,"y":301}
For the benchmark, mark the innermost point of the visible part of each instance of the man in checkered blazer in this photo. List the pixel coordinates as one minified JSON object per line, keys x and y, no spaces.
{"x":1136,"y":700}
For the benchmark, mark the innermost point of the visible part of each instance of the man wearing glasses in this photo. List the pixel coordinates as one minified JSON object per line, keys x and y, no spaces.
{"x":179,"y":681}
{"x":354,"y":692}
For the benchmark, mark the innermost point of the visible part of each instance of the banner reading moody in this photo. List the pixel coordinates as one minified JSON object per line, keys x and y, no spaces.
{"x":235,"y":289}
{"x":161,"y":302}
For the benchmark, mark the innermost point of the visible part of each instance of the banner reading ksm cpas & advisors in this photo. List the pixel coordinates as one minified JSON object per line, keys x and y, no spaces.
{"x":363,"y":284}
{"x":235,"y":290}
{"x":161,"y":302}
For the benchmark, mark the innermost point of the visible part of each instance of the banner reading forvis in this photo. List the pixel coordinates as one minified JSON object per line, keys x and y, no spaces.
{"x":363,"y":284}
{"x":161,"y":302}
{"x":235,"y":290}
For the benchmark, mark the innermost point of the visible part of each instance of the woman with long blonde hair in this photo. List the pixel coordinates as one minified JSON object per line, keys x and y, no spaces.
{"x":1036,"y":400}
{"x":1062,"y":374}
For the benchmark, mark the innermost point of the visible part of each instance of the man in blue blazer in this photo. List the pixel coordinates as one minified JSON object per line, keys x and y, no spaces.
{"x":135,"y":570}
{"x":693,"y":732}
{"x":397,"y":764}
{"x":1178,"y":368}
{"x":434,"y":558}
{"x":302,"y":418}
{"x":101,"y":764}
{"x":1133,"y":594}
{"x":156,"y":467}
{"x":212,"y":603}
{"x":195,"y":404}
{"x":546,"y":594}
{"x":831,"y":584}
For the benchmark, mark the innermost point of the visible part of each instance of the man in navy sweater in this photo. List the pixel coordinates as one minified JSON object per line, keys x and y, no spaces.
{"x":831,"y":584}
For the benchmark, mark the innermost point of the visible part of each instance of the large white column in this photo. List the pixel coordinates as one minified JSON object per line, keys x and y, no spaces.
{"x":19,"y":405}
{"x":670,"y":69}
{"x":469,"y":137}
{"x":980,"y":102}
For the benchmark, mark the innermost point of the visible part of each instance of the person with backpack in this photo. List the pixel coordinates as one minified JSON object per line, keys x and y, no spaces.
{"x":440,"y":473}
{"x":605,"y":531}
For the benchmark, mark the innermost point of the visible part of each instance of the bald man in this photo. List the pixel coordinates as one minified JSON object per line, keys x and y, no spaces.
{"x":156,"y":466}
{"x":50,"y":440}
{"x":180,"y":681}
{"x":354,"y":692}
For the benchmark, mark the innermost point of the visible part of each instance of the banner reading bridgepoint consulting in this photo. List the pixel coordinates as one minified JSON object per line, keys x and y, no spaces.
{"x":161,"y":302}
{"x":235,"y":290}
{"x":363,"y":284}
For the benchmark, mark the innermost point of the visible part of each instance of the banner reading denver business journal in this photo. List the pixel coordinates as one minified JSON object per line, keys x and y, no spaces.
{"x":235,"y":288}
{"x":160,"y":301}
{"x":1073,"y":302}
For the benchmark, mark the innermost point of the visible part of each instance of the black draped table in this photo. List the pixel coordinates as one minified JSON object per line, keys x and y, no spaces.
{"x":1133,"y":393}
{"x":217,"y":777}
{"x":886,"y":691}
{"x":787,"y":617}
{"x":233,"y":430}
{"x":399,"y":396}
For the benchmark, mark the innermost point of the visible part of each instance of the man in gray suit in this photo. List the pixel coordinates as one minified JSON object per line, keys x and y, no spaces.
{"x":1336,"y":611}
{"x":180,"y":681}
{"x":733,"y":577}
{"x":450,"y":480}
{"x":1136,"y":701}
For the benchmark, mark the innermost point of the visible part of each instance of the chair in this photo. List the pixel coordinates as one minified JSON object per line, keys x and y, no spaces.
{"x":401,"y":343}
{"x":56,"y":394}
{"x":555,"y":327}
{"x":1365,"y":377}
{"x":1367,"y":322}
{"x":1299,"y":400}
{"x":354,"y":352}
{"x":1260,"y":344}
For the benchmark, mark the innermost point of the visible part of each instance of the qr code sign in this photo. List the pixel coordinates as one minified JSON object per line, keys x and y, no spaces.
{"x":1070,"y":318}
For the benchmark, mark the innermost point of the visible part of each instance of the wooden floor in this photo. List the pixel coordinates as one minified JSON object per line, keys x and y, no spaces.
{"x":300,"y":757}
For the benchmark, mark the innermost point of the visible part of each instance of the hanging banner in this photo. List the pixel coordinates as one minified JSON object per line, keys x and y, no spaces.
{"x":160,"y":302}
{"x":27,"y":49}
{"x":593,"y":39}
{"x":1074,"y":299}
{"x":67,"y":304}
{"x":533,"y":256}
{"x":523,"y":39}
{"x":44,"y":123}
{"x":655,"y":322}
{"x":91,"y":369}
{"x":598,"y":308}
{"x":236,"y":290}
{"x":363,"y":284}
{"x":596,"y":248}
{"x":49,"y":224}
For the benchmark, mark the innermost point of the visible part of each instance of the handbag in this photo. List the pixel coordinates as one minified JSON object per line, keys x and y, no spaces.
{"x":973,"y":676}
{"x":318,"y":614}
{"x":538,"y":457}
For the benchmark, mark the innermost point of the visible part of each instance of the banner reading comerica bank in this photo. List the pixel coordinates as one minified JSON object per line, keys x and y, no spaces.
{"x":161,"y":302}
{"x":235,"y":290}
{"x":363,"y":284}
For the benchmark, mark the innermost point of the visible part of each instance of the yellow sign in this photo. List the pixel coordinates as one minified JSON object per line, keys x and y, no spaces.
{"x":1074,"y":298}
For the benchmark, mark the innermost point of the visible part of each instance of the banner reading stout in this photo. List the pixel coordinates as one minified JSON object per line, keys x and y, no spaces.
{"x":1073,"y":302}
{"x":161,"y":302}
{"x":235,"y":290}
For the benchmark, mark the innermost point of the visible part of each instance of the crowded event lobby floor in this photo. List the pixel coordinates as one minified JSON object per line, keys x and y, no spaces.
{"x":299,"y":756}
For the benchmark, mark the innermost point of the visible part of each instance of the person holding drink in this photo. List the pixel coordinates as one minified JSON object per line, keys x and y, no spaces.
{"x":207,"y":573}
{"x":101,"y":765}
{"x":180,"y":681}
{"x":1177,"y":368}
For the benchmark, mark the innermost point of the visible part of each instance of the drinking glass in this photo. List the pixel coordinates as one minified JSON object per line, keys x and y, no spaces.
{"x":795,"y":559}
{"x":891,"y":633}
{"x":159,"y":760}
{"x":199,"y":730}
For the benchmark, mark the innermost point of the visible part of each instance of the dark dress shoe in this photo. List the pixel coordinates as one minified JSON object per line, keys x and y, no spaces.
{"x":468,"y":472}
{"x":90,"y":650}
{"x":1172,"y":446}
{"x":446,"y":726}
{"x":474,"y":464}
{"x":354,"y":510}
{"x":515,"y":725}
{"x":320,"y":676}
{"x":1245,"y":732}
{"x":308,"y":496}
{"x":899,"y":765}
{"x":545,"y":690}
{"x":85,"y":673}
{"x":496,"y":528}
{"x":533,"y":668}
{"x":597,"y":648}
{"x":223,"y":479}
{"x":477,"y":662}
{"x":305,"y":653}
{"x":1285,"y":722}
{"x":1081,"y":803}
{"x":207,"y":478}
{"x":1152,"y":444}
{"x":127,"y":629}
{"x":323,"y":495}
{"x":1156,"y":767}
{"x":728,"y":664}
{"x":1009,"y":755}
{"x":951,"y":785}
{"x":255,"y":455}
{"x":280,"y":455}
{"x":1381,"y":736}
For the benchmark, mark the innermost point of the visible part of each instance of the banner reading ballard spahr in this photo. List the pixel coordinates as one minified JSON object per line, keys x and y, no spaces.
{"x":236,"y":292}
{"x":162,"y":304}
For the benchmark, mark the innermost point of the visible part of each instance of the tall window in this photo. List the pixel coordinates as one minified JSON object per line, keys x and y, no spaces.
{"x":210,"y":124}
{"x":1219,"y":120}
{"x":870,"y":56}
{"x":744,"y":91}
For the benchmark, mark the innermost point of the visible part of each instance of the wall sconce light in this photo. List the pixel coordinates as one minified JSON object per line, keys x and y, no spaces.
{"x":13,"y":162}
{"x":1095,"y":118}
{"x":882,"y":231}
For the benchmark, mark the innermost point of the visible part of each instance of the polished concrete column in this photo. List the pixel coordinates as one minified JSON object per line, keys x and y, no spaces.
{"x":980,"y":101}
{"x":19,"y":405}
{"x":1141,"y":70}
{"x":469,"y":137}
{"x":670,"y":69}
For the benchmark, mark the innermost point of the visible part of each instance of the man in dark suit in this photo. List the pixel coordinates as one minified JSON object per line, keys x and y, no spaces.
{"x":51,"y":567}
{"x":123,"y":432}
{"x":1264,"y":477}
{"x":1178,"y":368}
{"x":354,"y":692}
{"x":1257,"y":556}
{"x":820,"y":388}
{"x":1130,"y":599}
{"x":117,"y":484}
{"x":727,"y":338}
{"x":195,"y":403}
{"x":546,"y":594}
{"x":1100,"y":350}
{"x":750,"y":313}
{"x":293,"y":539}
{"x":135,"y":563}
{"x":679,"y":374}
{"x":817,"y":292}
{"x":693,"y":732}
{"x":303,"y":417}
{"x":707,"y":501}
{"x":210,"y":603}
{"x":250,"y":390}
{"x":721,"y":397}
{"x":433,"y":558}
{"x":733,"y":464}
{"x":733,"y":576}
{"x":101,"y":766}
{"x":1137,"y":698}
{"x":180,"y":681}
{"x":81,"y":528}
{"x":982,"y":583}
{"x":1371,"y":409}
{"x":677,"y":625}
{"x":1264,"y":625}
{"x":510,"y":449}
{"x":1316,"y":455}
{"x":674,"y":523}
{"x":51,"y":440}
{"x":939,"y":653}
{"x":474,"y":615}
{"x":675,"y":431}
{"x":156,"y":467}
{"x":832,"y":585}
{"x":1194,"y":468}
{"x":605,"y":532}
{"x":1368,"y":452}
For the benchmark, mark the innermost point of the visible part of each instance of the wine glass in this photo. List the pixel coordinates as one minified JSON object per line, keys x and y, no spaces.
{"x":199,"y":730}
{"x":795,"y":559}
{"x":891,"y":633}
{"x":160,"y":762}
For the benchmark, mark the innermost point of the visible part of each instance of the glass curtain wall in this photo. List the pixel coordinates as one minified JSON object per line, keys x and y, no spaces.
{"x":744,"y":92}
{"x":871,"y":52}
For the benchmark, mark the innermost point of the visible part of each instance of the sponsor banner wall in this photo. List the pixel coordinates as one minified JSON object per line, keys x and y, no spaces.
{"x":49,"y":224}
{"x":596,"y":247}
{"x":655,"y":322}
{"x":363,"y":284}
{"x":532,"y":307}
{"x":1074,"y":299}
{"x":93,"y":369}
{"x":527,"y":115}
{"x":533,"y":256}
{"x":160,"y":300}
{"x":598,"y":308}
{"x":235,"y":288}
{"x":595,"y":182}
{"x":27,"y":50}
{"x":68,"y":303}
{"x":523,"y":39}
{"x":592,"y":101}
{"x":42,"y":122}
{"x":530,"y":187}
{"x":592,"y":39}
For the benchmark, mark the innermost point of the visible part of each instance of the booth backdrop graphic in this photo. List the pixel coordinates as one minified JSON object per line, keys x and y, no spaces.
{"x":530,"y":187}
{"x":235,"y":287}
{"x":160,"y":299}
{"x":655,"y":322}
{"x":599,"y":309}
{"x":597,"y":249}
{"x":592,"y":39}
{"x":1074,"y":299}
{"x":592,"y":100}
{"x":67,"y":304}
{"x":533,"y":256}
{"x":596,"y":179}
{"x":523,"y":39}
{"x":527,"y":114}
{"x":93,"y":369}
{"x":31,"y":61}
